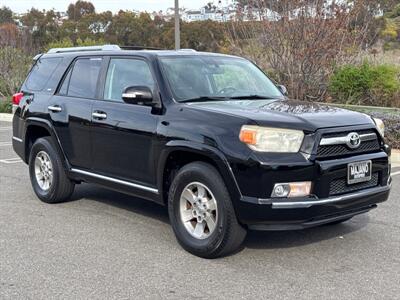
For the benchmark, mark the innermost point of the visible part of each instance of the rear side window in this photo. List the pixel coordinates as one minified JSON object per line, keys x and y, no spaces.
{"x":84,"y":76}
{"x":41,"y":73}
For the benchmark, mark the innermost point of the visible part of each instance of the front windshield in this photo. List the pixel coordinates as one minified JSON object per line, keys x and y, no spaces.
{"x":192,"y":77}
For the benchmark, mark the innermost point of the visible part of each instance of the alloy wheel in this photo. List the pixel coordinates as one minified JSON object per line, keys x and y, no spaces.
{"x":198,"y":210}
{"x":43,"y":170}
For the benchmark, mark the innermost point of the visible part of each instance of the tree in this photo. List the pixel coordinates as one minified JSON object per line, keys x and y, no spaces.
{"x":14,"y":64}
{"x":67,"y":42}
{"x":8,"y":35}
{"x":307,"y":42}
{"x":203,"y":36}
{"x":390,"y":31}
{"x":43,"y":26}
{"x":210,"y":6}
{"x":6,"y":15}
{"x":12,"y":36}
{"x":132,"y":29}
{"x":81,"y":8}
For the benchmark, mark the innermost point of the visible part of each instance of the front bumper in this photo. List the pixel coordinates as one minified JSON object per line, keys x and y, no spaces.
{"x":260,"y":212}
{"x":313,"y":201}
{"x":309,"y":212}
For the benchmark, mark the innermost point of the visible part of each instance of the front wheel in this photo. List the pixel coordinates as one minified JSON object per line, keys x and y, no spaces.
{"x":201,"y":212}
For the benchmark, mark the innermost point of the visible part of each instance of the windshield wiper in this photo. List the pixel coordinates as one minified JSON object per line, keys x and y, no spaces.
{"x":251,"y":97}
{"x":220,"y":98}
{"x":204,"y":98}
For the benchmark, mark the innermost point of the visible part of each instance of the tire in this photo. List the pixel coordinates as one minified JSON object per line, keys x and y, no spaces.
{"x":227,"y":234}
{"x":59,"y":188}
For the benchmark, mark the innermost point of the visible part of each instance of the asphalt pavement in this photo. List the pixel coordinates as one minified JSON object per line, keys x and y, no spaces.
{"x":106,"y":245}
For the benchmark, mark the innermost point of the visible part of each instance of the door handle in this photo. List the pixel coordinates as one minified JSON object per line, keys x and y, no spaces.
{"x":54,"y":108}
{"x":99,"y":115}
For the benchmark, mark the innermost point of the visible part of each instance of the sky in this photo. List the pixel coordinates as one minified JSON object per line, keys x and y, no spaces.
{"x":21,"y":6}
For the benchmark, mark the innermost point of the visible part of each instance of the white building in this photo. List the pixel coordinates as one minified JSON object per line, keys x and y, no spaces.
{"x":222,"y":14}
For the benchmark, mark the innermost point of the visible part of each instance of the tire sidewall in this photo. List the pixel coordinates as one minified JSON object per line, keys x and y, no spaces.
{"x":44,"y":145}
{"x":213,"y":182}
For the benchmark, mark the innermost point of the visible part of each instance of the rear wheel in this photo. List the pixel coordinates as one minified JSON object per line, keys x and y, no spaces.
{"x":49,"y":180}
{"x":201,"y":212}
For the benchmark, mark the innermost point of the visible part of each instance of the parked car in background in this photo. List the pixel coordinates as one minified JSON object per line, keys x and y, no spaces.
{"x":208,"y":135}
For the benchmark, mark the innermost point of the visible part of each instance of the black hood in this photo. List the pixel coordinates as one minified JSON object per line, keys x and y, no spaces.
{"x":287,"y":113}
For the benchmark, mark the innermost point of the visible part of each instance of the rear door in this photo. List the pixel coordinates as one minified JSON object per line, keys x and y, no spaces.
{"x":71,"y":108}
{"x":124,"y":134}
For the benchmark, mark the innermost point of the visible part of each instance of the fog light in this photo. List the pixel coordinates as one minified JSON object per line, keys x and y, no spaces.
{"x":291,"y":189}
{"x":281,"y":190}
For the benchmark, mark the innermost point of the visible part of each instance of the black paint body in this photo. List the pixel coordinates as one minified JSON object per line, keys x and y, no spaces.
{"x":136,"y":144}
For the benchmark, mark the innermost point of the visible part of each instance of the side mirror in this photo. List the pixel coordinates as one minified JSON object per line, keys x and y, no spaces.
{"x":283,"y":89}
{"x":138,"y":95}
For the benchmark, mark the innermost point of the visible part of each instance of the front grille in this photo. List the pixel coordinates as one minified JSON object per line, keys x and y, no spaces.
{"x":340,"y":186}
{"x":341,"y":150}
{"x":328,"y":151}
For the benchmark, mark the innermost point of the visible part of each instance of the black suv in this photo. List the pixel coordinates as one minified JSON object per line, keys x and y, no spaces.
{"x":208,"y":135}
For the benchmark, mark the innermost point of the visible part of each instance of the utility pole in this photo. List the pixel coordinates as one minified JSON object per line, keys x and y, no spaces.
{"x":177,"y":29}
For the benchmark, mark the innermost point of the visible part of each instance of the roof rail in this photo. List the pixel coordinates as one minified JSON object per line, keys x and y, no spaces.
{"x":187,"y":49}
{"x":87,"y":48}
{"x":140,"y":48}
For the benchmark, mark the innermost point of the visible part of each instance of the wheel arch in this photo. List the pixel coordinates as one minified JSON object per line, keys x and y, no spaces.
{"x":179,"y":153}
{"x":37,"y":128}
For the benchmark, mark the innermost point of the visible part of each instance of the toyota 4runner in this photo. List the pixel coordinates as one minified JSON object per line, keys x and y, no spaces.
{"x":207,"y":135}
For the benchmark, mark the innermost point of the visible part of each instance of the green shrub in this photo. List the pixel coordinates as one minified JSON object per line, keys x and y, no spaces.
{"x":395,"y":12}
{"x":366,"y":85}
{"x":67,"y":42}
{"x":5,"y":105}
{"x":60,"y":44}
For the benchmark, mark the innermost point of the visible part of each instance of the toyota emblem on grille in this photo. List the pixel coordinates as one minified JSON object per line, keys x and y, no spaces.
{"x":353,"y":140}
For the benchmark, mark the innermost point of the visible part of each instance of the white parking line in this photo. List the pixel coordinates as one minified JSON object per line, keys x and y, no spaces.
{"x":3,"y":144}
{"x":396,"y":173}
{"x":5,"y":128}
{"x":13,"y":160}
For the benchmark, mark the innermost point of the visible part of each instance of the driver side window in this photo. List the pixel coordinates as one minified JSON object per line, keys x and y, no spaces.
{"x":123,"y":73}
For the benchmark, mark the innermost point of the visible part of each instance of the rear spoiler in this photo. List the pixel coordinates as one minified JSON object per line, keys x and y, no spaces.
{"x":37,"y":56}
{"x":35,"y":60}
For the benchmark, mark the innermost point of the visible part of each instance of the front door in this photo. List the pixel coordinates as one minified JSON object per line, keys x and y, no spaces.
{"x":124,"y":134}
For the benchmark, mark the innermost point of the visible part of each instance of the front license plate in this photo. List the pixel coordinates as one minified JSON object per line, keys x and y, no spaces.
{"x":359,"y":172}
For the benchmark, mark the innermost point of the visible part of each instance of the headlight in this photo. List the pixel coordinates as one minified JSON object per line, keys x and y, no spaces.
{"x":267,"y":139}
{"x":380,"y":126}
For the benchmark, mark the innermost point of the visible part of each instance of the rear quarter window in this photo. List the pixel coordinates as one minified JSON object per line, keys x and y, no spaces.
{"x":41,"y":73}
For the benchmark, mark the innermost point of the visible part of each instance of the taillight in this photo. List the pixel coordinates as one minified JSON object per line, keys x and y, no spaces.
{"x":16,"y":98}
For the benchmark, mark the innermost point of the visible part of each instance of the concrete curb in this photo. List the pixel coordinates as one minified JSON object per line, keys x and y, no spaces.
{"x":6,"y":117}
